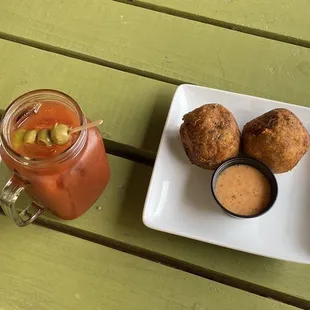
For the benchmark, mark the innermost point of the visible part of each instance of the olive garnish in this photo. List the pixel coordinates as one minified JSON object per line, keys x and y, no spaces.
{"x":60,"y":134}
{"x":30,"y":136}
{"x":44,"y":137}
{"x":18,"y":137}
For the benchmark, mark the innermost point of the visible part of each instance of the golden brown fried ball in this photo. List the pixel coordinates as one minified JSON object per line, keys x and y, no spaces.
{"x":277,"y":138}
{"x":210,"y":135}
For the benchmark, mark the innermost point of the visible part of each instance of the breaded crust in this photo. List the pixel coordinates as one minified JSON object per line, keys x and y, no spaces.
{"x":210,"y":135}
{"x":277,"y":138}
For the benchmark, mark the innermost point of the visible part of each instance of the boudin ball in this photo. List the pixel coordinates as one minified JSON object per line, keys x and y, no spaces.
{"x":277,"y":138}
{"x":210,"y":135}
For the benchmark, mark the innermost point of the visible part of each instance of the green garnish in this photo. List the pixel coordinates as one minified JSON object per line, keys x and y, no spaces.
{"x":44,"y":137}
{"x":60,"y":134}
{"x":30,"y":136}
{"x":18,"y":138}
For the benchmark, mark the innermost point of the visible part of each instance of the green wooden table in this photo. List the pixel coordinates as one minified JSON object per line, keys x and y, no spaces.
{"x":123,"y":60}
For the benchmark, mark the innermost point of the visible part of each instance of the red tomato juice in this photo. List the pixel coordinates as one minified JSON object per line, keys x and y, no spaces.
{"x":69,"y":187}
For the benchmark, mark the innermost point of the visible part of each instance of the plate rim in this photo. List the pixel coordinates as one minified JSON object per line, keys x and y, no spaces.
{"x":151,"y":225}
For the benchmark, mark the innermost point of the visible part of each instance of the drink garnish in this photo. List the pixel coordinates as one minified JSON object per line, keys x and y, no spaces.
{"x":60,"y":134}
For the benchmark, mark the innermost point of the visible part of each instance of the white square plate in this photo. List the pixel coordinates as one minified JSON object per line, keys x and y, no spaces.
{"x":179,"y":199}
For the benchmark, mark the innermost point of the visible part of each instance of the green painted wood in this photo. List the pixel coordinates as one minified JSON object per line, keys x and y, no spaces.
{"x":161,"y":45}
{"x":47,"y":270}
{"x":285,"y":17}
{"x":123,"y":100}
{"x":117,"y":214}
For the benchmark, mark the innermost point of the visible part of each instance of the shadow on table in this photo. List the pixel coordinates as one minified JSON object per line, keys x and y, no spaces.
{"x":137,"y":185}
{"x":156,"y":122}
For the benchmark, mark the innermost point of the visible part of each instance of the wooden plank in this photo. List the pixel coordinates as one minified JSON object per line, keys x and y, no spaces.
{"x":117,"y":214}
{"x":123,"y":100}
{"x":281,"y":19}
{"x":162,"y":46}
{"x":43,"y":269}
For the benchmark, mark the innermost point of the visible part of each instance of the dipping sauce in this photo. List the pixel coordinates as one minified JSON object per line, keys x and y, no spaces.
{"x":243,"y":190}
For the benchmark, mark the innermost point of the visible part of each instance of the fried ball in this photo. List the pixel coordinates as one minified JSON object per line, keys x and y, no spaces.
{"x":210,"y":135}
{"x":277,"y":138}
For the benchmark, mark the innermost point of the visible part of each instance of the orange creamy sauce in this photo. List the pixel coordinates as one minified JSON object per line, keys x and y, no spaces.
{"x":243,"y":190}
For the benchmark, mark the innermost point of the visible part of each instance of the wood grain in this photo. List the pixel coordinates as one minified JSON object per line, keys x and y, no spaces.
{"x":121,"y":99}
{"x":47,"y":270}
{"x":117,"y":214}
{"x":284,"y":20}
{"x":167,"y":47}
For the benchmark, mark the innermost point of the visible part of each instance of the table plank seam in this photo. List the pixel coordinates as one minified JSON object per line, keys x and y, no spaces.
{"x":219,"y":23}
{"x":174,"y":263}
{"x":125,"y":151}
{"x":129,"y":152}
{"x":89,"y":59}
{"x":54,"y":271}
{"x":117,"y":150}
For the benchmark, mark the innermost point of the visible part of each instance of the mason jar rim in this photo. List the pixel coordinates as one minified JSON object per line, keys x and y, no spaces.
{"x":40,"y":95}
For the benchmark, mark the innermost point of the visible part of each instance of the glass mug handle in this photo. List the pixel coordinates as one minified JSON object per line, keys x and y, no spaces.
{"x":10,"y":193}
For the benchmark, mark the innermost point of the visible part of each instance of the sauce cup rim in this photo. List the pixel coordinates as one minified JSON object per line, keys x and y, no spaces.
{"x":266,"y":171}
